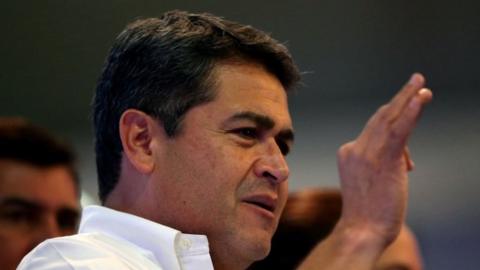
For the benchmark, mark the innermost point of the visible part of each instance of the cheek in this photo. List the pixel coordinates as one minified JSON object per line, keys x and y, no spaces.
{"x":283,"y":193}
{"x":13,"y":247}
{"x":216,"y":159}
{"x":226,"y":175}
{"x":211,"y":168}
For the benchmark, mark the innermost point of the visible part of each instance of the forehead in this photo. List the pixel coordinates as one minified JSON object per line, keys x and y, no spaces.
{"x":50,"y":185}
{"x":248,"y":86}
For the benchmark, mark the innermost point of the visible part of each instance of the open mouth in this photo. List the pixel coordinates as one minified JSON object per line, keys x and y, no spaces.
{"x":263,"y":202}
{"x":262,"y":205}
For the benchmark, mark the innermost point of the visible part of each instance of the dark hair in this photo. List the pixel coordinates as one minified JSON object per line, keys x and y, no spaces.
{"x":309,"y":217}
{"x":24,"y":142}
{"x":163,"y":67}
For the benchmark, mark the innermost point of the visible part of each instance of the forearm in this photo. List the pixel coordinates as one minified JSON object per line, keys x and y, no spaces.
{"x":346,"y":248}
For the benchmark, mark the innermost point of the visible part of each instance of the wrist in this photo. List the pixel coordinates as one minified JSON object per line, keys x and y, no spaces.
{"x":353,"y":240}
{"x":347,"y":247}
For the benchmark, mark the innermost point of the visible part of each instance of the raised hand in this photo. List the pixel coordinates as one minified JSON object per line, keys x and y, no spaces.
{"x":373,"y":168}
{"x":373,"y":173}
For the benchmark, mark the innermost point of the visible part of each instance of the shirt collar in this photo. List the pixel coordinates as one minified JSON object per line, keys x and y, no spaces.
{"x":164,"y":242}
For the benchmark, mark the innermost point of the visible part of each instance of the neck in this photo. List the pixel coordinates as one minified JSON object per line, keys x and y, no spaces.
{"x":127,"y":195}
{"x":218,"y":265}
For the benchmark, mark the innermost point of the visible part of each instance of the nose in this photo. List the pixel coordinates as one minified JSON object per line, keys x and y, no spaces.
{"x":52,"y":228}
{"x":272,"y":165}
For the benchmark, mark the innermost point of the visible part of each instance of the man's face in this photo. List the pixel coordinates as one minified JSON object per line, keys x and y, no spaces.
{"x":225,"y":172}
{"x":35,"y":204}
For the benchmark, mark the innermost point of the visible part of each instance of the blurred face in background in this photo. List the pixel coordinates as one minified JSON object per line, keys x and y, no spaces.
{"x":36,"y":203}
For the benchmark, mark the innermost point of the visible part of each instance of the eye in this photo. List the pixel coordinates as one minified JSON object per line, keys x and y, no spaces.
{"x":249,"y":133}
{"x":284,"y":148}
{"x":17,"y":216}
{"x":20,"y":217}
{"x":67,"y":219}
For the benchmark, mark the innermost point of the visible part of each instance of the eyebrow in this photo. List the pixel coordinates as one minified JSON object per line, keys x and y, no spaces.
{"x":19,"y":202}
{"x":264,"y":122}
{"x":261,"y":120}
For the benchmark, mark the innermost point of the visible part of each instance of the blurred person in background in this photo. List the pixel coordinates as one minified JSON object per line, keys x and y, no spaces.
{"x":39,"y":195}
{"x":310,"y":216}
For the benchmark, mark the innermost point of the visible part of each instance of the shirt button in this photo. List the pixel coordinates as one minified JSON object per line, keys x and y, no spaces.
{"x":185,"y":244}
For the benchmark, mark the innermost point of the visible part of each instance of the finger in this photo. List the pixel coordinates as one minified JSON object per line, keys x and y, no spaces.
{"x":375,"y":124}
{"x":388,"y":113}
{"x":403,"y":126}
{"x":425,"y":95}
{"x":409,"y":90}
{"x":408,"y":159}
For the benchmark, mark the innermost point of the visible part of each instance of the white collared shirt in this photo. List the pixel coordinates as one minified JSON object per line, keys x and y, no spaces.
{"x":110,"y":239}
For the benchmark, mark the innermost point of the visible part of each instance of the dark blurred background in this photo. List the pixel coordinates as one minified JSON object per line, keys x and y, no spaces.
{"x":355,"y":56}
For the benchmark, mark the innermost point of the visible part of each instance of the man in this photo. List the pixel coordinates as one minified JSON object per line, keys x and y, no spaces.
{"x":310,"y":216}
{"x":192,"y":129}
{"x":38,"y":190}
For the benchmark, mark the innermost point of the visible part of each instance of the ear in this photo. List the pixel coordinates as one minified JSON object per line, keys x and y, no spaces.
{"x":137,"y":132}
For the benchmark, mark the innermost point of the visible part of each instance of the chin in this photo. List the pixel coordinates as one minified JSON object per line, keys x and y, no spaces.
{"x":252,"y":241}
{"x":260,"y":248}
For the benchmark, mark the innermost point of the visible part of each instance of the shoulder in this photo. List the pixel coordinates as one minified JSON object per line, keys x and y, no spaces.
{"x":90,"y":251}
